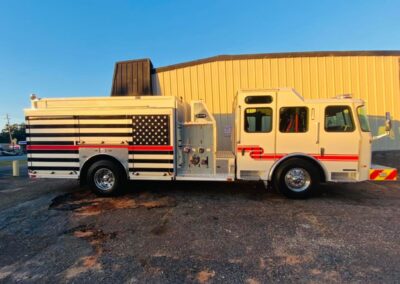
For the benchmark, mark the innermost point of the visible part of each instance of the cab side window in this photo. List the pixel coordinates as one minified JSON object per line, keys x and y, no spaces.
{"x":293,"y":119}
{"x":258,"y":119}
{"x":338,"y":119}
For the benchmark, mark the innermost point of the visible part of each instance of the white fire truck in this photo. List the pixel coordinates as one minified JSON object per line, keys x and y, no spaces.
{"x":278,"y":137}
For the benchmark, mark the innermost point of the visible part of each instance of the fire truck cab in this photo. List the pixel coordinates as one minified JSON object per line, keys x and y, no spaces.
{"x":296,"y":143}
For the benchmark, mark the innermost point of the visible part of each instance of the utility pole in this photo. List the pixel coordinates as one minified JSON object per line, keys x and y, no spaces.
{"x":9,"y":128}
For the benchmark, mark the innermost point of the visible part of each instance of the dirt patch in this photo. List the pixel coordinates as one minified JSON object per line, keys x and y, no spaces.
{"x":161,"y":228}
{"x":205,"y":275}
{"x":262,"y":264}
{"x":328,"y":276}
{"x":89,"y":233}
{"x":92,"y":261}
{"x":83,"y":234}
{"x":235,"y":260}
{"x":285,"y":256}
{"x":85,"y":204}
{"x":162,"y":202}
{"x":96,"y":238}
{"x":293,"y":259}
{"x":252,"y":281}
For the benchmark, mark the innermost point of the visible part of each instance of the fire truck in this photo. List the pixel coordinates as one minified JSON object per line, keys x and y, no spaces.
{"x":278,"y":137}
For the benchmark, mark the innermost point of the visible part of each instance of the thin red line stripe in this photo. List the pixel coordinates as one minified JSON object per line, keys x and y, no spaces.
{"x":77,"y":147}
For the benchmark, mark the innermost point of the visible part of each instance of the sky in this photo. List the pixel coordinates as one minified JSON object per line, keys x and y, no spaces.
{"x":69,"y":48}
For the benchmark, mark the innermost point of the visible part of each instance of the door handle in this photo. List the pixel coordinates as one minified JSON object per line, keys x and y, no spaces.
{"x":317,"y":141}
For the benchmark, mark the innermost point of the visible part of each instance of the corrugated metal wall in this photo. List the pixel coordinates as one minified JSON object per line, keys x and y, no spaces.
{"x":371,"y":77}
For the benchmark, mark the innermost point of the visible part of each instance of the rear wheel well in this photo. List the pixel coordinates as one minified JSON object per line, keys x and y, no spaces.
{"x":94,"y":159}
{"x":305,"y":158}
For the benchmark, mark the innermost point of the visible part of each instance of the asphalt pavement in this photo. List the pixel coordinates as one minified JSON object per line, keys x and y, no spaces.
{"x":202,"y":232}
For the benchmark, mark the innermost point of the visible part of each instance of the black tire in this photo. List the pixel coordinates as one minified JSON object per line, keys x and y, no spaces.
{"x":297,"y":178}
{"x":105,"y":178}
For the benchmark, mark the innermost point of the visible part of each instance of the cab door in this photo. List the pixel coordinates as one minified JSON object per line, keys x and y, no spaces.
{"x":297,"y":132}
{"x":339,"y":142}
{"x":256,"y":128}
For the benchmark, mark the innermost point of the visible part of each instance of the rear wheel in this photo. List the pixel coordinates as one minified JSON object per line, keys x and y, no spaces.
{"x":297,"y":178}
{"x":105,"y":178}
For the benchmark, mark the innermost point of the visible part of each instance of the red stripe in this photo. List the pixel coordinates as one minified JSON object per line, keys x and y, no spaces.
{"x":392,"y":175}
{"x":151,"y":148}
{"x":375,"y":174}
{"x":336,"y":157}
{"x":77,"y":147}
{"x":248,"y":147}
{"x":257,"y":153}
{"x":266,"y":156}
{"x":263,"y":157}
{"x":52,"y":147}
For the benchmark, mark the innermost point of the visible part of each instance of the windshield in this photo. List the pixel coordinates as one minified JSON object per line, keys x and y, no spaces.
{"x":363,"y":118}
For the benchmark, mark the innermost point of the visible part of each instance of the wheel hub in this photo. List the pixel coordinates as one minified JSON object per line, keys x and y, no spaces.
{"x":297,"y":179}
{"x":104,"y":179}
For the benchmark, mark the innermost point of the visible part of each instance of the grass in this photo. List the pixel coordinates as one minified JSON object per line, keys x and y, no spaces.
{"x":9,"y":163}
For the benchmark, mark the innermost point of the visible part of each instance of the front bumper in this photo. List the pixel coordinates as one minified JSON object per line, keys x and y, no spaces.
{"x":382,"y":173}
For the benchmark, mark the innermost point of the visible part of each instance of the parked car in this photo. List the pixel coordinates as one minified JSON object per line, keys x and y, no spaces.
{"x":12,"y":153}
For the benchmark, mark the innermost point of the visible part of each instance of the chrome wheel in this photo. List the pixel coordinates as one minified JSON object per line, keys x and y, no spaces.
{"x":104,"y":179}
{"x":297,"y":179}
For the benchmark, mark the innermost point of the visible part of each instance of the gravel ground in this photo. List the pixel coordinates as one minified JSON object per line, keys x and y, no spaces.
{"x":53,"y":230}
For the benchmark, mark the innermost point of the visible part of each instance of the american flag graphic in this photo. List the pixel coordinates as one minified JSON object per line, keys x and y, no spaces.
{"x":150,"y":130}
{"x":152,"y":152}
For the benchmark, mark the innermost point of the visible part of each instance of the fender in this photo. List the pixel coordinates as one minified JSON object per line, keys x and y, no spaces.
{"x":295,"y":155}
{"x":85,"y":161}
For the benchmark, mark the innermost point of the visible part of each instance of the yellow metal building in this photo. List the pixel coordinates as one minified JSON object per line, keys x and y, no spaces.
{"x":370,"y":75}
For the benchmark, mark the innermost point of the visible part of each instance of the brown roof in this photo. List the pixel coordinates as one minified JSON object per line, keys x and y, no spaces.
{"x":279,"y":55}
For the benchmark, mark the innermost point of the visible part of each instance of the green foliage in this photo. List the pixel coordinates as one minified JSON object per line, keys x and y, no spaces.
{"x":17,"y":132}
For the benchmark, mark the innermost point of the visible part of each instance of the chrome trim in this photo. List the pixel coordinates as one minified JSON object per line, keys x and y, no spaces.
{"x":122,"y":157}
{"x":297,"y":179}
{"x":104,"y":179}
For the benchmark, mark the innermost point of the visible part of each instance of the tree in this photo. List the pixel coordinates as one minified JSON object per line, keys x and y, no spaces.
{"x":17,"y":132}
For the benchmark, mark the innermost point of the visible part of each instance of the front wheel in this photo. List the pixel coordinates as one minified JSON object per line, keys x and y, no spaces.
{"x":105,"y":178}
{"x":297,"y":178}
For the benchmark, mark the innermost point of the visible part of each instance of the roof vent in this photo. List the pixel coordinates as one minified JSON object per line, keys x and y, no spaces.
{"x":132,"y":78}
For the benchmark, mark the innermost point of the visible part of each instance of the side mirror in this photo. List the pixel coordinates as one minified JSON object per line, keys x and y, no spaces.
{"x":388,"y":122}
